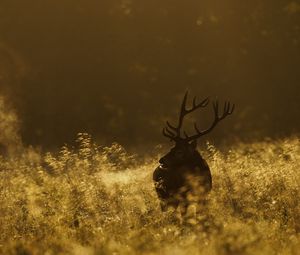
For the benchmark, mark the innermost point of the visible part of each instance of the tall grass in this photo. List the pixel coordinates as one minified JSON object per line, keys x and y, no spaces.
{"x":89,"y":199}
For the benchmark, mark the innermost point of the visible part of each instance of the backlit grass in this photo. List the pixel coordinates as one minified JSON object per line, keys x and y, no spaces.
{"x":101,"y":200}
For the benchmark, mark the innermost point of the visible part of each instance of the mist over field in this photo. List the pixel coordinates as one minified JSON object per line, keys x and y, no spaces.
{"x":85,"y":89}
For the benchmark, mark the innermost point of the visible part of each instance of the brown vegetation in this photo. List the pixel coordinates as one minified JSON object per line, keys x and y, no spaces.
{"x":100,"y":200}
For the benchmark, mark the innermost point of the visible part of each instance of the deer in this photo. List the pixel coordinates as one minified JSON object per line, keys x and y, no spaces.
{"x":183,"y":170}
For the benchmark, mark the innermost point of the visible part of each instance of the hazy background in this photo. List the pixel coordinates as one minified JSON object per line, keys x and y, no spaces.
{"x":118,"y":69}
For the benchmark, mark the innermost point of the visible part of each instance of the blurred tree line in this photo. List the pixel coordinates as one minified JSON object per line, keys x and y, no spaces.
{"x":118,"y":68}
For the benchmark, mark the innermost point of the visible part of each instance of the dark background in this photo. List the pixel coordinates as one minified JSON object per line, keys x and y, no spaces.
{"x":119,"y":69}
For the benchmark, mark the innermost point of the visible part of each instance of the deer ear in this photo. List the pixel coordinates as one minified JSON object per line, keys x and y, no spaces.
{"x":194,"y":144}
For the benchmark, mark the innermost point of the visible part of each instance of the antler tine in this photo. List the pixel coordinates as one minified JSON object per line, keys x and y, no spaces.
{"x":228,"y":110}
{"x":170,"y":126}
{"x":226,"y":104}
{"x":196,"y":106}
{"x":194,"y":102}
{"x":174,"y":132}
{"x":183,"y":105}
{"x":232,"y":109}
{"x":167,"y":135}
{"x":216,"y":108}
{"x":183,"y":111}
{"x":170,"y":132}
{"x":167,"y":131}
{"x":196,"y":128}
{"x":205,"y":102}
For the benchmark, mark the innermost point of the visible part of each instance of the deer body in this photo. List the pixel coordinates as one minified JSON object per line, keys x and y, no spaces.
{"x":183,"y":171}
{"x":172,"y":182}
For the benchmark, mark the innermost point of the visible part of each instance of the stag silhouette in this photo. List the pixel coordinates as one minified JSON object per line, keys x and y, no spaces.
{"x":183,"y":171}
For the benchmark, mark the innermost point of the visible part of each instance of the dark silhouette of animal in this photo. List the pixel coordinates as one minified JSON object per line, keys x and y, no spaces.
{"x":183,"y":171}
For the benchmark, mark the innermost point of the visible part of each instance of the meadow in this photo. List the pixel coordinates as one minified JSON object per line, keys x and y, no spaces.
{"x":89,"y":199}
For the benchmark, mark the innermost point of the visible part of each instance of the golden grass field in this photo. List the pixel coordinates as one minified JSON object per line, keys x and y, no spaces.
{"x":90,"y":199}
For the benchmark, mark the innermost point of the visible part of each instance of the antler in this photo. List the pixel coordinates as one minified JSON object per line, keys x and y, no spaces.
{"x":228,"y":110}
{"x":174,"y":133}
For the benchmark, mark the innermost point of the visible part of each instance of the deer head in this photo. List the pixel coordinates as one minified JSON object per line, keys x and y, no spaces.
{"x":184,"y":152}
